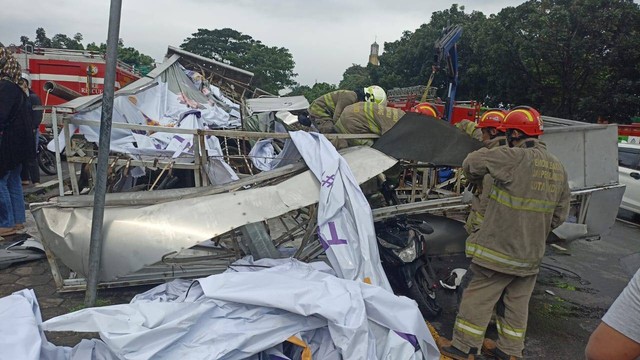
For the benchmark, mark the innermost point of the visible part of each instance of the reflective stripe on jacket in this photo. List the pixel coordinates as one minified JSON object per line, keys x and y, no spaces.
{"x":528,"y":198}
{"x":367,"y":118}
{"x":331,"y":105}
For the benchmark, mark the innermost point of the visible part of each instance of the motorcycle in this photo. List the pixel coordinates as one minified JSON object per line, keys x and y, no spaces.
{"x":402,"y":243}
{"x":412,"y":246}
{"x":46,"y":159}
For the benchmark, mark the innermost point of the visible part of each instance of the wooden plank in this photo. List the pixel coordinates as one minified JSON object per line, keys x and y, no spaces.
{"x":145,"y":163}
{"x":72,"y":167}
{"x":229,"y":133}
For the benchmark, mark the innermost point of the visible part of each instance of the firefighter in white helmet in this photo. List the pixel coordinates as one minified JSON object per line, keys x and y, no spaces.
{"x":326,"y":110}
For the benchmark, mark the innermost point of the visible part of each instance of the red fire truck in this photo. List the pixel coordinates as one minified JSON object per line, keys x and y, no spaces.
{"x":78,"y":70}
{"x":408,"y":98}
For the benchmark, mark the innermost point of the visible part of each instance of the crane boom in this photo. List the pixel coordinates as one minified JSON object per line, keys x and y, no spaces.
{"x":446,"y":50}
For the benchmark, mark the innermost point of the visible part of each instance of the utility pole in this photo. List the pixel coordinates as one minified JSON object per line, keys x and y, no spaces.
{"x":104,"y":144}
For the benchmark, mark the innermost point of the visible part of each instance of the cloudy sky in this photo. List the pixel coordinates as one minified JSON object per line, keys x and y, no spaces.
{"x":324,"y":36}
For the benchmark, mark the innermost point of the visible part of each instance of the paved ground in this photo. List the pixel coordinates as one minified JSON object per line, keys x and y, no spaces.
{"x":36,"y":275}
{"x":584,"y":282}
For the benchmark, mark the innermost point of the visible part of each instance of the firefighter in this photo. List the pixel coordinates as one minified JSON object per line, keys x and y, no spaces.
{"x":426,"y":109}
{"x":529,"y":198}
{"x":367,"y":118}
{"x":492,"y":136}
{"x":326,"y":110}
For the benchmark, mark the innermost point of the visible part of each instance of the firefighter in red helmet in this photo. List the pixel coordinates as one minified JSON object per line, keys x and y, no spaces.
{"x":528,"y":198}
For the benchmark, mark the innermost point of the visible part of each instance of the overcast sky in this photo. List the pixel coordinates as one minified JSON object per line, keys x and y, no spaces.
{"x":324,"y":36}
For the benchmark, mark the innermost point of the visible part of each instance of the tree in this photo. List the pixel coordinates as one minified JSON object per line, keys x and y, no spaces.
{"x":133,"y":57}
{"x":314,"y":92}
{"x":355,"y":77}
{"x":571,"y":58}
{"x":24,"y":40}
{"x":408,"y":61}
{"x":62,"y":41}
{"x":578,"y":59}
{"x":272,"y":66}
{"x":93,"y":47}
{"x":129,"y":55}
{"x":41,"y":38}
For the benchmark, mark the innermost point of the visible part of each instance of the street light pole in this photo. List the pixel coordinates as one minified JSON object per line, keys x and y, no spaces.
{"x":95,"y":247}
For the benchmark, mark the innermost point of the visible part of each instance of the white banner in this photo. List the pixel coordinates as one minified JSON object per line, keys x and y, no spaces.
{"x":345,"y":222}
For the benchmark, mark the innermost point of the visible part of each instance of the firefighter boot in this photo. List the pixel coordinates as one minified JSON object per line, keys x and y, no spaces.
{"x":454,"y":353}
{"x":490,"y":348}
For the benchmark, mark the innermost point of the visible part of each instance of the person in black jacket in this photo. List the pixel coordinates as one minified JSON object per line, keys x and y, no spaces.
{"x":16,"y":144}
{"x":30,"y":170}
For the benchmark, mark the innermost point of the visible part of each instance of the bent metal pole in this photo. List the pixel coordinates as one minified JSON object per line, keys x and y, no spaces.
{"x":95,"y":247}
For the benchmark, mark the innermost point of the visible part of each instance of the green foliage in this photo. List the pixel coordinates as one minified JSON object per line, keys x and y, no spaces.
{"x":408,"y":61}
{"x":62,"y":41}
{"x":129,"y":55}
{"x":577,"y":59}
{"x":93,"y":47}
{"x":313,"y":92}
{"x":143,"y":63}
{"x":272,"y":66}
{"x":24,"y":40}
{"x":132,"y":56}
{"x":355,"y":77}
{"x":41,"y":39}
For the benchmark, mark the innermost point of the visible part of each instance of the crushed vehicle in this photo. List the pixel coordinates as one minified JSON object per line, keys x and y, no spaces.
{"x":238,"y":155}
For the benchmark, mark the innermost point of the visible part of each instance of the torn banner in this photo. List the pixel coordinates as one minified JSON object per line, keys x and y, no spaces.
{"x":251,"y":310}
{"x":22,"y":337}
{"x":345,"y":222}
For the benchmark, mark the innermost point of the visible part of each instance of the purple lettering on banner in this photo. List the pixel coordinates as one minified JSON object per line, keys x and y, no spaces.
{"x":412,"y":339}
{"x":328,"y":181}
{"x":335,"y":239}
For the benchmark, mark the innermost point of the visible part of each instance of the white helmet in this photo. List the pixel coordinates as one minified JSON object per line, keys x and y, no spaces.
{"x":26,"y":76}
{"x":375,"y":93}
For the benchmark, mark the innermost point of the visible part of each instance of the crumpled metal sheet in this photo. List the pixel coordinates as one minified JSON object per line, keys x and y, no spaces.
{"x":21,"y":251}
{"x":422,"y":138}
{"x":286,"y":103}
{"x":137,"y":236}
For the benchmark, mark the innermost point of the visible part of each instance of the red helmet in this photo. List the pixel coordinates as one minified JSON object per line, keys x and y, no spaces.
{"x":493,"y":118}
{"x":426,"y":109}
{"x":525,"y":119}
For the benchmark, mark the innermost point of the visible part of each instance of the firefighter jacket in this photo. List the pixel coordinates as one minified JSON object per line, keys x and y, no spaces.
{"x":331,"y":105}
{"x":367,"y":118}
{"x":469,"y":127}
{"x":481,"y":195}
{"x":528,"y":198}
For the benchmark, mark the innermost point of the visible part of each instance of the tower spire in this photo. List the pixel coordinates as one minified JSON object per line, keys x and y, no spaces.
{"x":373,"y":55}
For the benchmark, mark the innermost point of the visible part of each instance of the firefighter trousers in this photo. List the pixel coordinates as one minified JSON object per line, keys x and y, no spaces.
{"x":478,"y":300}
